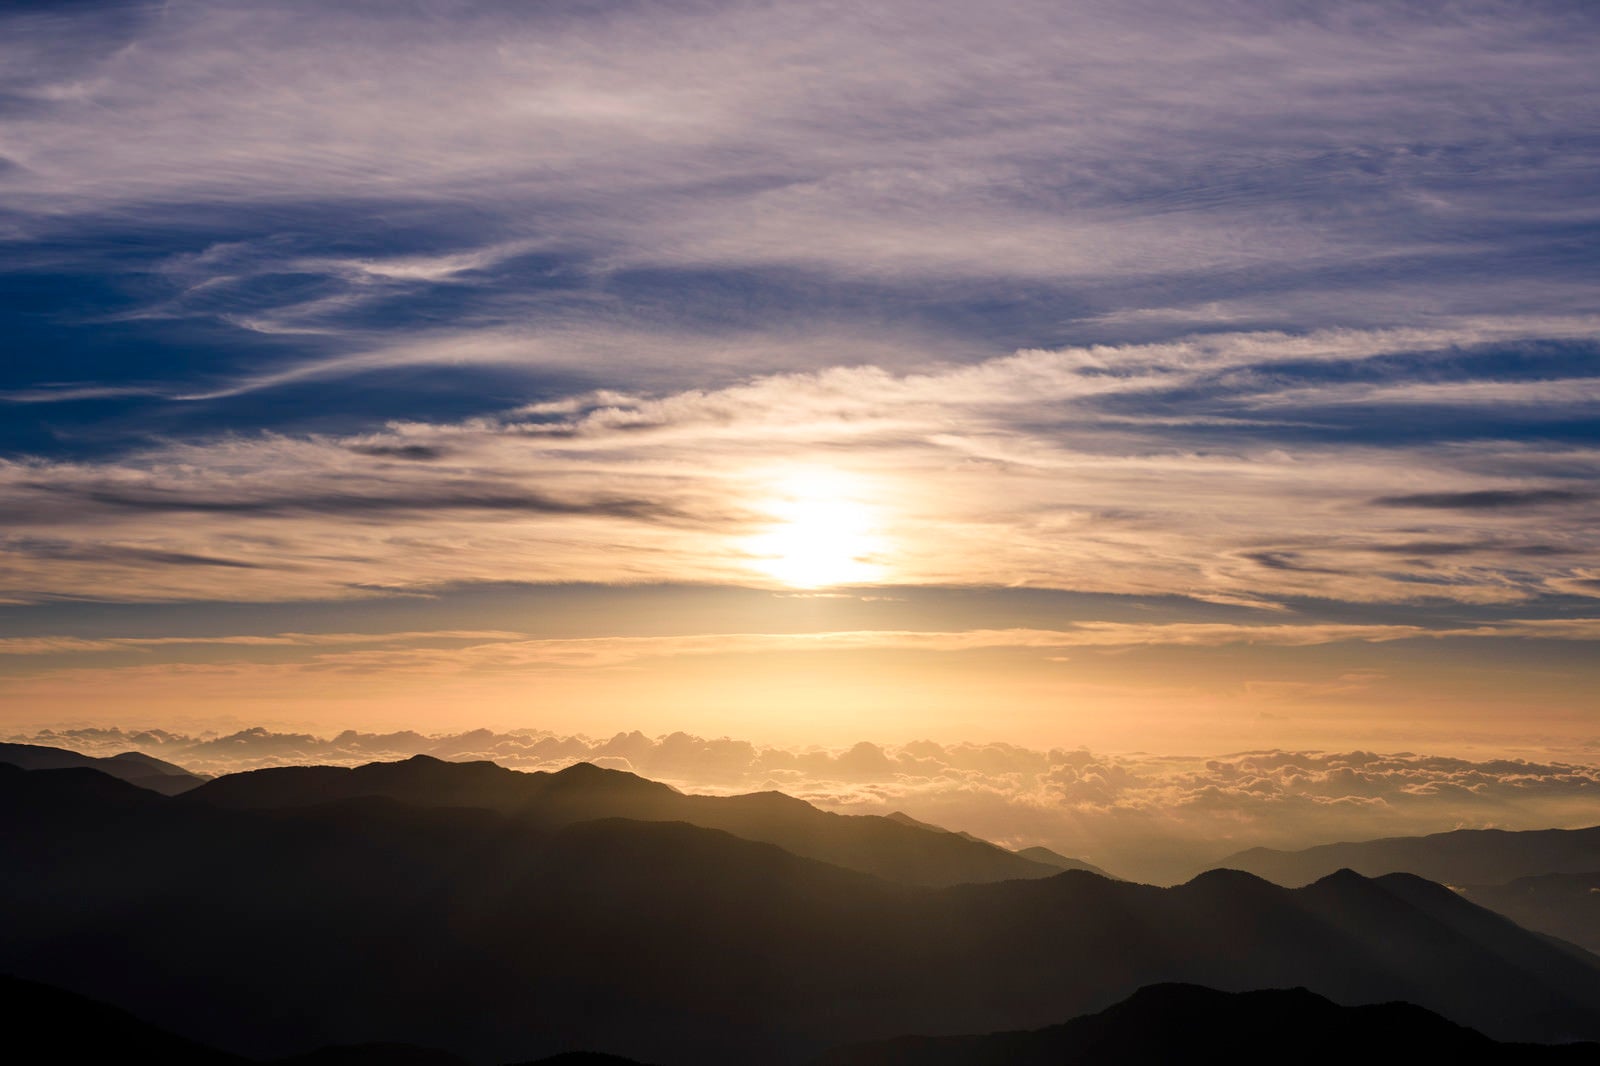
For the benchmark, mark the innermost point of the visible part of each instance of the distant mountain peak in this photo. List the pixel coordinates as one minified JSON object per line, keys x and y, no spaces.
{"x":150,"y":762}
{"x":1224,"y":878}
{"x":1342,"y":876}
{"x":1045,"y":855}
{"x":586,"y":775}
{"x":589,"y":769}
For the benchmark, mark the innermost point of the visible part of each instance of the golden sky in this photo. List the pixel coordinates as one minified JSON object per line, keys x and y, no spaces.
{"x":1060,"y":374}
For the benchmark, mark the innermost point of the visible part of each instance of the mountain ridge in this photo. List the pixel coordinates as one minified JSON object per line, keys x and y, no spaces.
{"x":1457,"y":857}
{"x":493,"y":936}
{"x":135,"y":767}
{"x":882,"y":846}
{"x":1175,"y":1022}
{"x":1543,"y":879}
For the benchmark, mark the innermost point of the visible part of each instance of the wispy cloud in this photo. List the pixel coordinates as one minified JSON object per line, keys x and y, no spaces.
{"x":1018,"y":470}
{"x":58,"y":645}
{"x":1271,"y":166}
{"x":470,"y":650}
{"x":1486,"y":500}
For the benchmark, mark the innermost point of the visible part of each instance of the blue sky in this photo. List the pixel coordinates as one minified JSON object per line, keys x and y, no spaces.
{"x":986,"y":345}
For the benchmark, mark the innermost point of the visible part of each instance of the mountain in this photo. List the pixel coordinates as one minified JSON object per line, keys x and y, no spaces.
{"x":1158,"y":1024}
{"x":1060,"y":861}
{"x":379,"y":1054}
{"x":132,"y":766}
{"x":1462,"y":857}
{"x":584,"y":1058}
{"x":1547,"y":880}
{"x":57,"y":1026}
{"x":898,"y":849}
{"x":502,"y":938}
{"x":1043,"y":856}
{"x":1563,"y":905}
{"x":1171,"y":1023}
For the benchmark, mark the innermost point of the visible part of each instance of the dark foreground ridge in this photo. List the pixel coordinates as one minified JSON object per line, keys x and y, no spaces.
{"x":1157,"y":1025}
{"x":59,"y":1026}
{"x":1174,"y":1023}
{"x":501,"y":938}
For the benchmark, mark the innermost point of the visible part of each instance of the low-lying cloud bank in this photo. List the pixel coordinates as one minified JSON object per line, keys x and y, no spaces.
{"x":1143,"y":816}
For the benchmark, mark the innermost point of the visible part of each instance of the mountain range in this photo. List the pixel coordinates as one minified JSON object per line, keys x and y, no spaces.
{"x":1545,"y":879}
{"x":1460,"y":857}
{"x":894,"y":847}
{"x":1044,"y":856}
{"x":1172,"y":1023}
{"x":135,"y":767}
{"x":60,"y":1026}
{"x":456,"y":907}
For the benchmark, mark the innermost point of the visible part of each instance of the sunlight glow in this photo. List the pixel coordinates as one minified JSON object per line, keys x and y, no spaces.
{"x":824,"y":534}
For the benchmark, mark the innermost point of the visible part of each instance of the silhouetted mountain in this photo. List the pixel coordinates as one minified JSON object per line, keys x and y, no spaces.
{"x":1060,"y":861}
{"x":502,"y":938}
{"x":45,"y":1024}
{"x":1563,"y":905}
{"x":1173,"y":1023}
{"x":53,"y":795}
{"x":899,"y":850}
{"x":905,"y":819}
{"x":1547,"y":880}
{"x":59,"y":1026}
{"x":132,"y":766}
{"x":373,"y":1055}
{"x":1462,"y":857}
{"x":1041,"y":855}
{"x":584,"y":1058}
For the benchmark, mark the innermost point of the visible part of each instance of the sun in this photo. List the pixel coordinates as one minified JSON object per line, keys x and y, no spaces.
{"x":823,"y":534}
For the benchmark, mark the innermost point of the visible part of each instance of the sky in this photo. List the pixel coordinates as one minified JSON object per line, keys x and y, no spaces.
{"x":1134,"y":376}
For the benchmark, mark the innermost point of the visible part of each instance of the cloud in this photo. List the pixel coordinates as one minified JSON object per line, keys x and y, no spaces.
{"x":419,"y":453}
{"x":442,"y":653}
{"x":54,"y":645}
{"x":458,"y":497}
{"x":1065,"y":468}
{"x":1394,"y":167}
{"x":1485,"y":500}
{"x":63,"y":550}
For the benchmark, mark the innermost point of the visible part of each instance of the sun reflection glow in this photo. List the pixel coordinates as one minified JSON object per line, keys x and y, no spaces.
{"x":823,"y":535}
